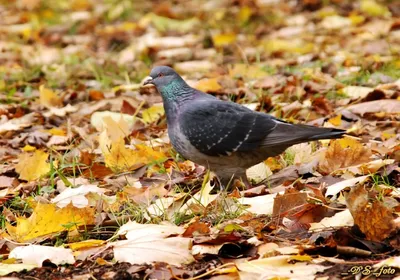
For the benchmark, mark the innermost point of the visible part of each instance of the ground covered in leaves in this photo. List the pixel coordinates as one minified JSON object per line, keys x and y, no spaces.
{"x":90,"y":187}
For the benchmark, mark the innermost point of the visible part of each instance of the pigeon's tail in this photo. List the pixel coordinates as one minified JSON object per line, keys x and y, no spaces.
{"x":327,"y":133}
{"x":285,"y":134}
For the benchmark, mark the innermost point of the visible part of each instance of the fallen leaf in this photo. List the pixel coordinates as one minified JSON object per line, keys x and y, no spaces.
{"x":279,"y":267}
{"x":225,"y":39}
{"x":356,"y":92}
{"x":373,"y":8}
{"x":208,"y":85}
{"x":198,"y":202}
{"x":96,"y":95}
{"x":18,"y":123}
{"x":152,"y":114}
{"x":100,"y":120}
{"x":336,"y":121}
{"x":258,"y":172}
{"x":15,"y":267}
{"x":340,"y":219}
{"x":343,"y":153}
{"x":374,"y":219}
{"x":49,"y":98}
{"x":376,"y":106}
{"x":194,"y":66}
{"x":85,"y":244}
{"x":261,"y":205}
{"x":149,"y":243}
{"x":47,"y":219}
{"x":334,"y":189}
{"x":37,"y":254}
{"x":78,"y":196}
{"x":32,"y":166}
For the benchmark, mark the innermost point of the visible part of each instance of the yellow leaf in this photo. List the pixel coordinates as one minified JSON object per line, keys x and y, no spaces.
{"x":244,"y":14}
{"x":348,"y":142}
{"x":2,"y":85}
{"x":273,"y":164}
{"x":85,"y":244}
{"x":49,"y":98}
{"x":343,"y":153}
{"x":56,"y":131}
{"x":372,"y":8}
{"x":120,"y":158}
{"x":148,"y":154}
{"x":356,"y":19}
{"x":116,"y":156}
{"x":208,"y":85}
{"x":290,"y":46}
{"x":247,"y":71}
{"x":224,"y":39}
{"x":116,"y":130}
{"x":336,"y":121}
{"x":28,"y":148}
{"x":387,"y":135}
{"x":47,"y":219}
{"x":302,"y":258}
{"x":32,"y":166}
{"x":163,"y":24}
{"x":152,"y":114}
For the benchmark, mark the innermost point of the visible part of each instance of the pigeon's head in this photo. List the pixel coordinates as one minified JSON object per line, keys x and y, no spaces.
{"x":166,"y":80}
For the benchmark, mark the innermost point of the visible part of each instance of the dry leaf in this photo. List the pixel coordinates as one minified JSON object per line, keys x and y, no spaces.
{"x":78,"y":196}
{"x":152,"y":114}
{"x":336,"y":121}
{"x":149,"y":243}
{"x":376,"y":106}
{"x":49,"y":98}
{"x":343,"y":153}
{"x":14,"y":267}
{"x":47,"y":219}
{"x":32,"y":166}
{"x":208,"y":85}
{"x":374,"y":219}
{"x":37,"y":254}
{"x":17,"y":123}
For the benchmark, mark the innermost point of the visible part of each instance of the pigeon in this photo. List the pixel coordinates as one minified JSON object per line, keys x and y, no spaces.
{"x":224,"y":136}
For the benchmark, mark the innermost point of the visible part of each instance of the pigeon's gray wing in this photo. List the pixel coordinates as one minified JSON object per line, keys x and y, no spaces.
{"x":219,"y":128}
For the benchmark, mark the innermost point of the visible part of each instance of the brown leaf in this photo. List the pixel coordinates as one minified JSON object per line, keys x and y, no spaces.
{"x":322,"y":106}
{"x":96,"y":95}
{"x":195,"y":229}
{"x":384,"y":105}
{"x":127,"y":108}
{"x":343,"y":153}
{"x":97,"y":171}
{"x":285,"y":205}
{"x":374,"y":219}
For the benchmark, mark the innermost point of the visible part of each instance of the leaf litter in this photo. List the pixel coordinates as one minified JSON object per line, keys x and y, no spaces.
{"x":89,"y":184}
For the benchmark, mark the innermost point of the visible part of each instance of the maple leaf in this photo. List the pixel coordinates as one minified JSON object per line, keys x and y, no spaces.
{"x":118,"y":157}
{"x":152,"y":114}
{"x":208,"y":85}
{"x":47,"y":219}
{"x":49,"y":98}
{"x":375,"y":219}
{"x":343,"y":153}
{"x":32,"y":166}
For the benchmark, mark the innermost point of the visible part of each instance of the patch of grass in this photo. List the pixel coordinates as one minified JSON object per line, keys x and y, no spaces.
{"x":359,"y":78}
{"x":336,"y":95}
{"x":288,"y":156}
{"x":381,"y":183}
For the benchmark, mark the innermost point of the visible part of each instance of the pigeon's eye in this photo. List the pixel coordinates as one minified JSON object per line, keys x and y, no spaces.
{"x":161,"y":75}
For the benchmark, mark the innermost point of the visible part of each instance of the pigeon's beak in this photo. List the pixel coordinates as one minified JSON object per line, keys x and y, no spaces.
{"x":148,"y":81}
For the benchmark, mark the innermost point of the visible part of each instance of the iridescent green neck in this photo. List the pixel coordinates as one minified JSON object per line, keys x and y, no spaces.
{"x":174,"y":90}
